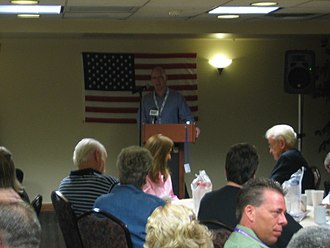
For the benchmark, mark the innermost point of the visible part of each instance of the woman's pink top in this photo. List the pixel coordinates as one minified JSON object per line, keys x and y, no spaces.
{"x":161,"y":189}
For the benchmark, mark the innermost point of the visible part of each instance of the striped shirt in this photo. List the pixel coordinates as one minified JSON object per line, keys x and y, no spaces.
{"x":82,"y":187}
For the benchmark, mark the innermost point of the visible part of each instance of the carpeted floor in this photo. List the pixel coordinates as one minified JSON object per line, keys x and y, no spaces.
{"x":51,"y":233}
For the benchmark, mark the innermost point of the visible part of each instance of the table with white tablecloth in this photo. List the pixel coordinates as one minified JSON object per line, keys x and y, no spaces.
{"x":307,"y":221}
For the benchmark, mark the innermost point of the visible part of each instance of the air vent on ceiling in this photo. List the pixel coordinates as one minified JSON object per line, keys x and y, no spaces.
{"x":290,"y":16}
{"x":100,"y":9}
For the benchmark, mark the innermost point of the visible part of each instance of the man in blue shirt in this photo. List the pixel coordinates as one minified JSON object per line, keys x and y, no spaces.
{"x":164,"y":105}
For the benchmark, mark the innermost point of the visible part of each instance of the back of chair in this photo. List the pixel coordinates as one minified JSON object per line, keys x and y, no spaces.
{"x":219,"y":230}
{"x":317,"y":176}
{"x":37,"y":204}
{"x":101,"y":229}
{"x":67,"y":220}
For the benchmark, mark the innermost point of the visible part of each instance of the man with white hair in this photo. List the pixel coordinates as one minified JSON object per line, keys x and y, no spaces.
{"x":84,"y":185}
{"x":281,"y":141}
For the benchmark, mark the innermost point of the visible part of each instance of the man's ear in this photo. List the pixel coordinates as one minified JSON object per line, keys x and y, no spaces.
{"x":250,"y":212}
{"x":97,"y":156}
{"x":282,"y":143}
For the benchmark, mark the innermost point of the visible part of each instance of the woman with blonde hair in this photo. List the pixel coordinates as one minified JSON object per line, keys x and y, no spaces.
{"x":175,"y":226}
{"x":8,"y":174}
{"x":158,"y":181}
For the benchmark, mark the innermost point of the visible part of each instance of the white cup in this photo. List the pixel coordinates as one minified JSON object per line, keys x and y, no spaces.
{"x":320,"y":214}
{"x":317,"y":197}
{"x":308,"y":193}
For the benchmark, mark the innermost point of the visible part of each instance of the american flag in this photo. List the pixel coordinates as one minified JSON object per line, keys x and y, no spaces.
{"x":110,"y":79}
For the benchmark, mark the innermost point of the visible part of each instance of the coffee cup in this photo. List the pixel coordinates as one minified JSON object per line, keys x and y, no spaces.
{"x":320,"y":214}
{"x":317,"y":197}
{"x":308,"y":193}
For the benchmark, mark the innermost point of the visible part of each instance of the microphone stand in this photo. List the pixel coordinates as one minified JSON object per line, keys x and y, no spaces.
{"x":140,"y":90}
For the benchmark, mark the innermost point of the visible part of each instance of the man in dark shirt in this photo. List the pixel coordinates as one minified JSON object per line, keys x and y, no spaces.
{"x":241,"y":165}
{"x":281,"y":141}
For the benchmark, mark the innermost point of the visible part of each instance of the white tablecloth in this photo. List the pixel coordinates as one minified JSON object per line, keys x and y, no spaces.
{"x":307,"y":221}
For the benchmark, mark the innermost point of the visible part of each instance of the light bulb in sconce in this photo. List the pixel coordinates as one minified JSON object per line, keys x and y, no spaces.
{"x":220,"y":62}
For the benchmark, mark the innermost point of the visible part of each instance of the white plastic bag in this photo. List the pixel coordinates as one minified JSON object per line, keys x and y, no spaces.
{"x":199,"y":187}
{"x":292,"y":188}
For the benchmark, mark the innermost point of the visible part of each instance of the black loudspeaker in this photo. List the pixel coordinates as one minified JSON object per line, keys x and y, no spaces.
{"x":299,"y":71}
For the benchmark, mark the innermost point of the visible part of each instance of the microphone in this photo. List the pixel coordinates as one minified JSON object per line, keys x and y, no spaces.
{"x":154,"y":113}
{"x":140,"y":88}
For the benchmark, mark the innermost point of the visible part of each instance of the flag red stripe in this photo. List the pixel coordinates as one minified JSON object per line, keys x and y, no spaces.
{"x":111,"y":99}
{"x":169,"y":77}
{"x":120,"y":110}
{"x":164,"y":55}
{"x":166,"y":66}
{"x":110,"y":120}
{"x":110,"y":110}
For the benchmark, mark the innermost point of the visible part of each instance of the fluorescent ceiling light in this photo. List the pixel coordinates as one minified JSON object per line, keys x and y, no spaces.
{"x":242,"y":10}
{"x":30,"y":9}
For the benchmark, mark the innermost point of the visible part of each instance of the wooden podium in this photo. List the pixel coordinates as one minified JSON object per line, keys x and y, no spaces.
{"x":180,"y":134}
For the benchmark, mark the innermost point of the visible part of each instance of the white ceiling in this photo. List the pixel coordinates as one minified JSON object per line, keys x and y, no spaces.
{"x":188,"y":10}
{"x":150,"y":17}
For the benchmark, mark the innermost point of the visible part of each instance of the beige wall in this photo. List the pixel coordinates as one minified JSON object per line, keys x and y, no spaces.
{"x":41,"y":103}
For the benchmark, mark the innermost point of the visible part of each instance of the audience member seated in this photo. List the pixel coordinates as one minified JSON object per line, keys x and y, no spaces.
{"x":311,"y":237}
{"x":281,"y":141}
{"x":127,"y":201}
{"x":241,"y":165}
{"x":19,"y":226}
{"x":327,"y":168}
{"x":8,"y":174}
{"x":84,"y":185}
{"x":158,"y":181}
{"x":261,"y":211}
{"x":174,"y":226}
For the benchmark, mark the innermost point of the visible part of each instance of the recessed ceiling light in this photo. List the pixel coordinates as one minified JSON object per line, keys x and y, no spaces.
{"x":264,"y":4}
{"x":28,"y":16}
{"x":24,"y":2}
{"x":228,"y":16}
{"x":242,"y":10}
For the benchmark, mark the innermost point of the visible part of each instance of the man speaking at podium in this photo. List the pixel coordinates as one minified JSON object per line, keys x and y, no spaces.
{"x":164,"y":105}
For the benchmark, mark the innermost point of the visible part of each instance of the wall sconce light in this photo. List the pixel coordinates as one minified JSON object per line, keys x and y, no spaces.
{"x":220,"y":62}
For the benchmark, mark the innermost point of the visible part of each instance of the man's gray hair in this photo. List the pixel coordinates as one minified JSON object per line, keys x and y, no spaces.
{"x":310,"y":237}
{"x":19,"y":226}
{"x":85,"y":149}
{"x":282,"y":131}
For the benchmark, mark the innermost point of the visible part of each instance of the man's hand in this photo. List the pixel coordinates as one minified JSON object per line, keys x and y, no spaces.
{"x":198,"y":131}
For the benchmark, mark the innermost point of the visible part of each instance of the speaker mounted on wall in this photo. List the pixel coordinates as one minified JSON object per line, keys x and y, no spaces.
{"x":299,"y":75}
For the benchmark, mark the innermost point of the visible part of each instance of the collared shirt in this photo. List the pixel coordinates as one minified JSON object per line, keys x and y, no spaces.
{"x":175,"y":109}
{"x":82,"y":187}
{"x":247,"y":239}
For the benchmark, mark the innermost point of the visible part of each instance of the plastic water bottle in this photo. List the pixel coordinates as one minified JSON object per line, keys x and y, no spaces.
{"x":294,"y":196}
